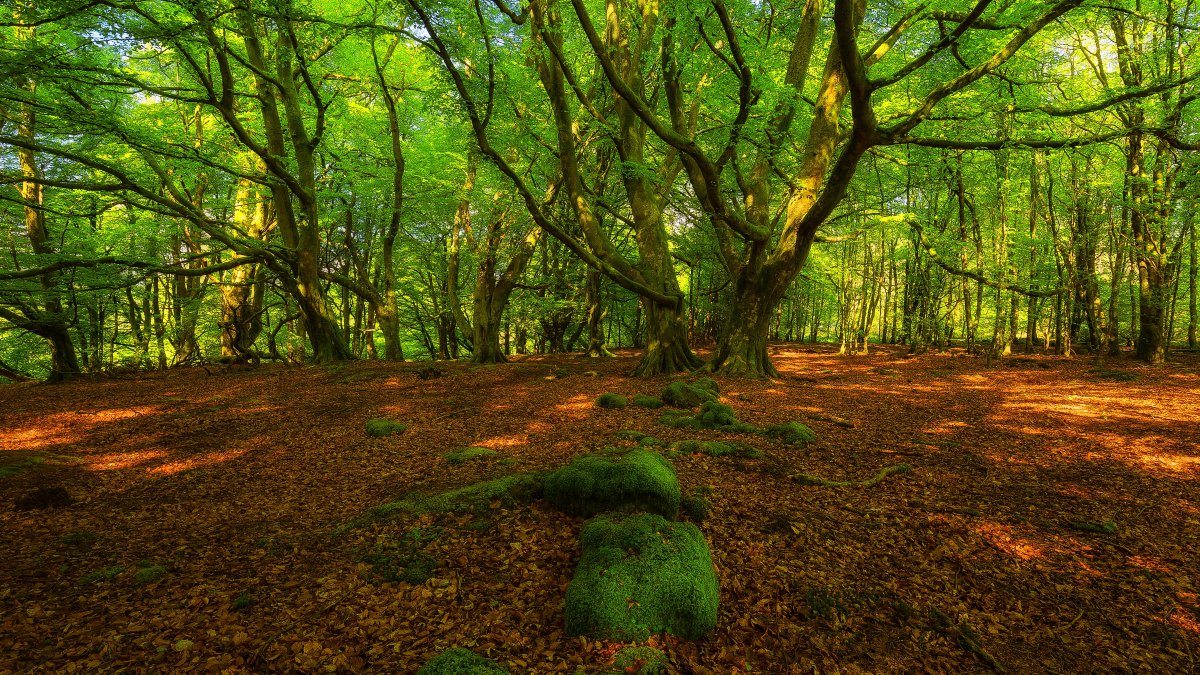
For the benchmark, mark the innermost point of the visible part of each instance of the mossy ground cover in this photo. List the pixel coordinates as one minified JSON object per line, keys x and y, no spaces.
{"x":612,"y":401}
{"x":469,"y":454}
{"x":381,"y":427}
{"x":639,"y":575}
{"x":461,"y":661}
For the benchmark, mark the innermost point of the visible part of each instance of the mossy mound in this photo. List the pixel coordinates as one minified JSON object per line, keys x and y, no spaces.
{"x":643,"y":401}
{"x":712,"y":415}
{"x":461,"y":661}
{"x":591,"y":484}
{"x":612,"y":401}
{"x":639,"y":661}
{"x":792,"y":433}
{"x":641,"y":575}
{"x":680,"y":394}
{"x":696,"y":506}
{"x":476,"y":498}
{"x":708,"y":384}
{"x":651,"y":442}
{"x":468,"y":454}
{"x":382,"y":427}
{"x":630,"y":435}
{"x":717,"y":449}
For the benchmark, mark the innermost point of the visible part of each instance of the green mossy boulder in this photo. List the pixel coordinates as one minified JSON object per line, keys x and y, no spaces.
{"x":792,"y":433}
{"x":712,"y":415}
{"x":680,"y":394}
{"x":612,"y":401}
{"x":382,"y":427}
{"x":639,"y":479}
{"x":460,"y":661}
{"x":717,"y":449}
{"x":708,"y":384}
{"x":651,"y":442}
{"x":641,"y":575}
{"x":643,"y":401}
{"x":468,"y":454}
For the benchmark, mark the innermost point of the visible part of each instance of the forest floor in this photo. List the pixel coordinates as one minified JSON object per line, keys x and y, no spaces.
{"x":209,"y":529}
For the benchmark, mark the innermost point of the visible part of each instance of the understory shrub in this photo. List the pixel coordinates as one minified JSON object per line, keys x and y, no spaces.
{"x":640,"y":575}
{"x":591,"y":484}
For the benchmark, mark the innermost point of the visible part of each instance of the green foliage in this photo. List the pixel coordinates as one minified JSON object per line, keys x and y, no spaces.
{"x":468,"y":454}
{"x":79,"y":538}
{"x":461,"y":661}
{"x":1105,"y":527}
{"x":640,"y":575}
{"x":382,"y":427}
{"x":17,"y":467}
{"x":612,"y":401}
{"x":639,"y":661}
{"x":591,"y":484}
{"x":149,"y":573}
{"x":644,"y":401}
{"x":680,"y":394}
{"x":106,"y":574}
{"x":791,"y":433}
{"x":242,"y":601}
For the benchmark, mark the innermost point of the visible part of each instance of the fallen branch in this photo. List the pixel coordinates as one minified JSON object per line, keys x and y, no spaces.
{"x":809,"y":479}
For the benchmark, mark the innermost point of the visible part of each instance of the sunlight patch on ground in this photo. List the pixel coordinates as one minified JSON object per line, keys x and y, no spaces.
{"x":1184,"y":464}
{"x":65,"y":428}
{"x":178,"y":466}
{"x":1005,"y":538}
{"x":499,"y":442}
{"x":114,"y":461}
{"x":578,"y":403}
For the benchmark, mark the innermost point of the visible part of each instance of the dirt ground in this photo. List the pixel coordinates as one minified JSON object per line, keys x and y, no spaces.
{"x":208,"y":529}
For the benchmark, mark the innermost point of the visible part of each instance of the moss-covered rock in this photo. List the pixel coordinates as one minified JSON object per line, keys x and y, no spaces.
{"x":792,"y":433}
{"x":708,"y":384}
{"x":461,"y":661}
{"x":639,"y":661}
{"x":644,"y":401}
{"x":382,"y":427}
{"x":651,"y":442}
{"x":591,"y":484}
{"x":712,"y":415}
{"x":640,"y":575}
{"x":468,"y":454}
{"x":680,"y":394}
{"x":612,"y":401}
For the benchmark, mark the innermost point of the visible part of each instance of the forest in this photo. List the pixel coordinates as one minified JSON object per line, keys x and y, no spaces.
{"x":599,"y":335}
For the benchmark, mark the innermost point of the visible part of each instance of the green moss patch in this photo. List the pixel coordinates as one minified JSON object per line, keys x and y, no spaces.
{"x":717,"y":449}
{"x":591,"y":484}
{"x":106,"y":574}
{"x":792,"y":433}
{"x":382,"y":427}
{"x":641,"y":575}
{"x":460,"y":661}
{"x":468,"y":454}
{"x":639,"y":661}
{"x":612,"y":401}
{"x":403,"y":559}
{"x":644,"y":401}
{"x":475,"y":498}
{"x":17,"y":467}
{"x":149,"y":573}
{"x":712,"y":415}
{"x":680,"y":394}
{"x":630,"y":435}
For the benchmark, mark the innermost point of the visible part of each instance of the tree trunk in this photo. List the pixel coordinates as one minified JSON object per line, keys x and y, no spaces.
{"x":596,"y":312}
{"x":742,"y":344}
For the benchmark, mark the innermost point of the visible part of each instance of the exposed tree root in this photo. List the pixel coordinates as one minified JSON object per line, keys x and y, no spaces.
{"x":808,"y":479}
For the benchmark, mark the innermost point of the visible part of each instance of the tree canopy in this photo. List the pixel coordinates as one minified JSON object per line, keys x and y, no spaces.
{"x":296,"y":180}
